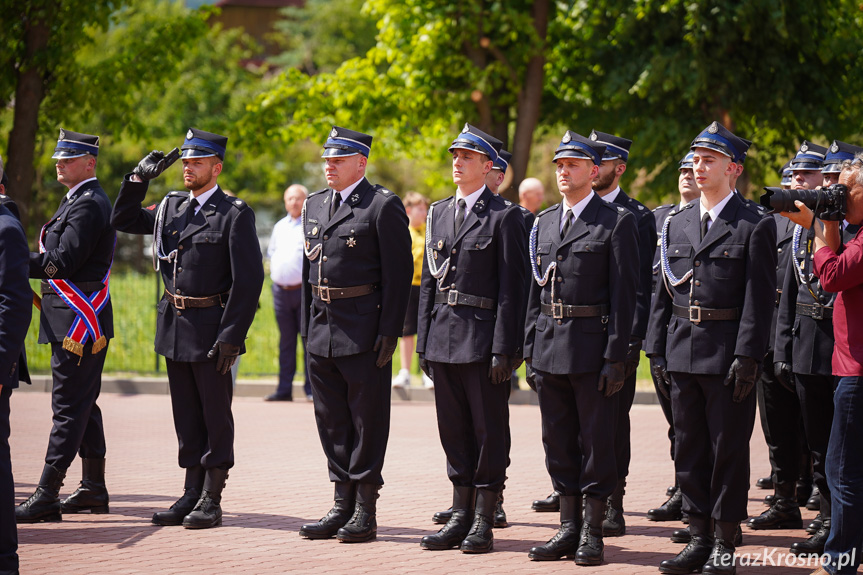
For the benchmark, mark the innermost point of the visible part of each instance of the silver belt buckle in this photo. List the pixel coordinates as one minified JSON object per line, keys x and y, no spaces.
{"x":557,"y":310}
{"x":817,"y":311}
{"x":179,"y":302}
{"x":696,"y":316}
{"x":324,"y":293}
{"x":452,"y":297}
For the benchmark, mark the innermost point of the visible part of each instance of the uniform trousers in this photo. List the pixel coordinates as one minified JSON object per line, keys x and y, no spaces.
{"x":578,"y":433}
{"x":844,"y":467}
{"x":201,"y":403}
{"x":8,"y":528}
{"x":665,"y":405}
{"x":782,"y":426}
{"x":352,"y":411}
{"x":712,"y":435}
{"x":815,"y":393}
{"x":287,"y":305}
{"x":77,"y":427}
{"x":622,"y":427}
{"x":472,"y":419}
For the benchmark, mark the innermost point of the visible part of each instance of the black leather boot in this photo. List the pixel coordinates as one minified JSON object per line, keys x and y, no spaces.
{"x":722,"y":560}
{"x":192,"y":488}
{"x":335,"y":519}
{"x":804,"y":490}
{"x":613,"y":525}
{"x":813,"y":527}
{"x":208,"y":511}
{"x":697,"y":551}
{"x":480,"y":538}
{"x":363,"y":524}
{"x":44,"y":504}
{"x":458,"y":526}
{"x":815,"y":544}
{"x":549,"y":504}
{"x":91,"y":494}
{"x":565,"y":541}
{"x":783,"y":514}
{"x":814,"y":502}
{"x":441,"y":517}
{"x":671,"y":510}
{"x":683,"y":536}
{"x":764,"y":483}
{"x":590,"y":547}
{"x":499,"y":514}
{"x":669,"y":491}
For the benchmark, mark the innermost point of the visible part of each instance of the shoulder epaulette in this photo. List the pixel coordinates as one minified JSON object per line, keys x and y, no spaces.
{"x":663,"y":206}
{"x":379,"y":189}
{"x":546,"y":210}
{"x":236,"y":202}
{"x":318,"y":192}
{"x":178,"y":193}
{"x":448,"y":198}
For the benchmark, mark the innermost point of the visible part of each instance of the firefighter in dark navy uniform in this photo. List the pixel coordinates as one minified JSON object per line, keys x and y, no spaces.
{"x":468,"y":338}
{"x":15,"y":312}
{"x":76,"y":248}
{"x":583,"y":297}
{"x":708,"y":334}
{"x":356,"y":284}
{"x":207,"y":250}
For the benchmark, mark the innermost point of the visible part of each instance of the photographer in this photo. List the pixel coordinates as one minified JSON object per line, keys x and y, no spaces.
{"x":839,"y":268}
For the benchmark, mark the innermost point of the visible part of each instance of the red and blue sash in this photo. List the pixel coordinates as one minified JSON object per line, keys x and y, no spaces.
{"x":86,"y":309}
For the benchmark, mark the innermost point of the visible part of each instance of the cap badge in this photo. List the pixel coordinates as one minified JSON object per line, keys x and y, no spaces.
{"x":351,"y":242}
{"x":62,"y":134}
{"x":334,"y":133}
{"x":804,"y":148}
{"x":834,"y":148}
{"x":567,"y":138}
{"x":593,"y":136}
{"x":189,"y":134}
{"x":466,"y":129}
{"x":713,"y":128}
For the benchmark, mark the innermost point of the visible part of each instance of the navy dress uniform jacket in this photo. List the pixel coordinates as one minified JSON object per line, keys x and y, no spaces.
{"x":646,"y":227}
{"x":218,"y":252}
{"x":733,"y":267}
{"x":660,"y":214}
{"x":784,"y":235}
{"x":592,"y":270}
{"x":486,"y":259}
{"x":79,"y":247}
{"x":366,"y":242}
{"x":16,"y":300}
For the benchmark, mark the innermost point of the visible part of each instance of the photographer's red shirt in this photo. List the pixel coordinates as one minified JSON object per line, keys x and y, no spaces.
{"x":843,"y":274}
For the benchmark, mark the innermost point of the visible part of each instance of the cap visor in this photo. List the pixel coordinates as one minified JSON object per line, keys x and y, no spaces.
{"x":338,"y":153}
{"x":192,"y":153}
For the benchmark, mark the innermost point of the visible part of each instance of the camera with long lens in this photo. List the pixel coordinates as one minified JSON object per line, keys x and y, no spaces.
{"x":828,"y":203}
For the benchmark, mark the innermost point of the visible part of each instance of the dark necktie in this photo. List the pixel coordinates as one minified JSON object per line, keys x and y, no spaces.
{"x":459,"y":215}
{"x":567,"y":223}
{"x":190,"y":211}
{"x":705,"y":220}
{"x":337,"y":201}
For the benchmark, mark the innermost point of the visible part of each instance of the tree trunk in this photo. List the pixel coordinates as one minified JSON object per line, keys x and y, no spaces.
{"x":529,"y":101}
{"x":29,"y":93}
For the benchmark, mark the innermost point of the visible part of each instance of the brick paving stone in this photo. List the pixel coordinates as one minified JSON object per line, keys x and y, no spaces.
{"x":280,"y":481}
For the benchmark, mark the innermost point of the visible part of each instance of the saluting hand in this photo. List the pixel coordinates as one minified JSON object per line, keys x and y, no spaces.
{"x":743,"y":373}
{"x":155,"y":163}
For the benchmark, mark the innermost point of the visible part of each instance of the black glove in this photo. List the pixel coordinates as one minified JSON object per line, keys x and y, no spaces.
{"x":530,"y":376}
{"x":743,"y":374}
{"x":424,"y":366}
{"x":611,"y":377}
{"x":155,"y":163}
{"x":782,"y":371}
{"x":499,"y":370}
{"x":385,"y":345}
{"x":659,"y":369}
{"x":633,"y":356}
{"x":225,"y":355}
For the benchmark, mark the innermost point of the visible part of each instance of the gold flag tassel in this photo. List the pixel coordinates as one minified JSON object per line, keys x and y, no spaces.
{"x":99,"y":345}
{"x":73,"y":346}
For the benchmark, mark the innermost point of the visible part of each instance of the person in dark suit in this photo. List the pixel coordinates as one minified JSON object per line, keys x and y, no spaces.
{"x":708,"y":334}
{"x":468,"y":339}
{"x":803,"y":355}
{"x":15,"y":312}
{"x":778,"y":402}
{"x":76,"y":249}
{"x":356,"y":284}
{"x":207,"y":250}
{"x":583,"y":297}
{"x":607,"y":186}
{"x":671,"y":509}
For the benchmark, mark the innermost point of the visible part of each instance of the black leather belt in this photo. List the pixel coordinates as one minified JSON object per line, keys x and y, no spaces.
{"x":289,"y":288}
{"x":778,"y":296}
{"x":814,"y":311}
{"x":328,"y":294}
{"x":697,"y":314}
{"x":453,"y":297}
{"x":87,"y":287}
{"x":560,"y":310}
{"x":183,"y":302}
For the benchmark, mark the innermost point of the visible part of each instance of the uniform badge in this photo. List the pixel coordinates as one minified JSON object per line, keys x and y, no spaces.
{"x":355,"y":198}
{"x":804,"y":148}
{"x":315,"y":230}
{"x":351,"y":242}
{"x":538,"y":260}
{"x":440,"y":244}
{"x":236,"y":202}
{"x":593,"y":136}
{"x":50,"y":269}
{"x":834,"y":148}
{"x":308,"y":245}
{"x":334,"y":133}
{"x":713,"y":128}
{"x":435,"y":255}
{"x":480,"y":204}
{"x":189,"y":134}
{"x":62,"y":134}
{"x":566,"y":138}
{"x":466,"y":129}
